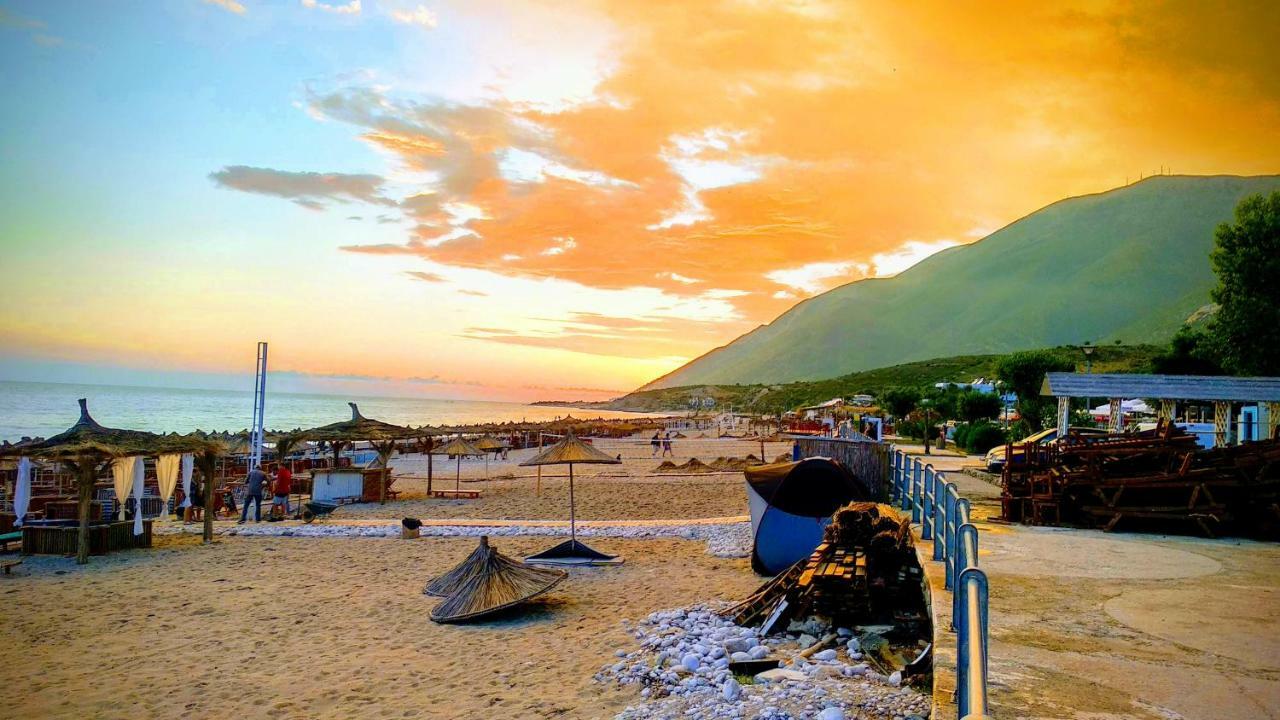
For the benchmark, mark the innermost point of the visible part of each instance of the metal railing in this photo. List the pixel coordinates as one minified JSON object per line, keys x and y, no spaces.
{"x":943,"y":517}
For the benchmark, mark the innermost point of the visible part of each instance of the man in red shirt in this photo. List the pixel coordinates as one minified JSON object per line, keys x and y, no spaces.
{"x":281,"y":489}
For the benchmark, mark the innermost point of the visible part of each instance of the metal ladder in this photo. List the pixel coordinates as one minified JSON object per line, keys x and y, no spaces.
{"x":259,"y":403}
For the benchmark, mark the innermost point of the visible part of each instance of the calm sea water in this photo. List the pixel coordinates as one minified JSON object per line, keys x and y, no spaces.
{"x":44,"y":409}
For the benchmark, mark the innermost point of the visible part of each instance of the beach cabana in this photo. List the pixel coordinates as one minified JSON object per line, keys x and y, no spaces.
{"x":790,"y":505}
{"x":489,"y":444}
{"x":88,"y":449}
{"x":571,"y":451}
{"x":337,"y":484}
{"x":486,"y":582}
{"x":456,"y":448}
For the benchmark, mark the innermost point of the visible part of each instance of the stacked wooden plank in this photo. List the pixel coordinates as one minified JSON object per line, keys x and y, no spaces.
{"x":862,"y":571}
{"x":1158,"y":479}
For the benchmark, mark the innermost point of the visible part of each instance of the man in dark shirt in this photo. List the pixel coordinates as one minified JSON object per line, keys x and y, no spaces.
{"x":253,"y":484}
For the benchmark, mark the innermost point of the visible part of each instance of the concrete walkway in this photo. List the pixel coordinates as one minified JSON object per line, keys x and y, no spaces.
{"x":1093,"y":625}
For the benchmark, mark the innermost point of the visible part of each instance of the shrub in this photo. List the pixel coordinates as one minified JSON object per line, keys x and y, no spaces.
{"x":981,"y":437}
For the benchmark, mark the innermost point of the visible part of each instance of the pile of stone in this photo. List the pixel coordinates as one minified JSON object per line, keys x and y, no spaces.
{"x":693,"y":663}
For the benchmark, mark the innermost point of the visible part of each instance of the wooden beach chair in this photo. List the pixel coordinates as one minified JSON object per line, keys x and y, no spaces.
{"x":9,"y":537}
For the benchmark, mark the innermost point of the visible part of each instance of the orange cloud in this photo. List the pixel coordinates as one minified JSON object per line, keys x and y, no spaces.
{"x":768,"y":150}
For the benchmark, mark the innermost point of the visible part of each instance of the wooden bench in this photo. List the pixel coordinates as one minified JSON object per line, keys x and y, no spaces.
{"x":9,"y":565}
{"x":456,"y":494}
{"x":7,"y":538}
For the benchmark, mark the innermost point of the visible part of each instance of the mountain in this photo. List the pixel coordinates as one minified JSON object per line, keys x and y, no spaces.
{"x":1130,"y":264}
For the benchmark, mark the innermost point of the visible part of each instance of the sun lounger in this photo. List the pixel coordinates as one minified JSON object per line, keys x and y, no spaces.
{"x":7,"y":538}
{"x":456,"y":494}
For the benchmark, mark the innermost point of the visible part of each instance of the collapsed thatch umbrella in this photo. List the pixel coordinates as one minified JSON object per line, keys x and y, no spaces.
{"x":381,"y":435}
{"x":486,"y":582}
{"x":87,"y":448}
{"x":457,"y":448}
{"x":569,"y":451}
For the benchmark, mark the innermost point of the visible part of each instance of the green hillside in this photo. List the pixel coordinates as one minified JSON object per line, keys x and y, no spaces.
{"x":923,"y":373}
{"x":1130,"y":264}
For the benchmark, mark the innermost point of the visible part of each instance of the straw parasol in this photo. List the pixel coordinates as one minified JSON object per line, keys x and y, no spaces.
{"x":489,"y":444}
{"x":457,"y":448}
{"x":87,"y":447}
{"x":486,"y":582}
{"x":381,"y":435}
{"x":570,"y":451}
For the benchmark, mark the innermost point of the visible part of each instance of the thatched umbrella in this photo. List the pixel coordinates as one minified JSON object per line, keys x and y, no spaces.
{"x":570,"y":451}
{"x":457,"y":448}
{"x":488,"y":444}
{"x":486,"y":582}
{"x":86,"y":449}
{"x":381,"y":435}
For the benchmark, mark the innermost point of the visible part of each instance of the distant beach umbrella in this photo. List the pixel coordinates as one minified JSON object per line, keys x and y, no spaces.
{"x":571,"y":451}
{"x":489,"y":444}
{"x":381,"y":435}
{"x":486,"y":582}
{"x":458,"y":447}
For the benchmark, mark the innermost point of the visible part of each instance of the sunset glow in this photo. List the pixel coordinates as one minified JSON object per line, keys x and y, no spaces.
{"x":561,"y":199}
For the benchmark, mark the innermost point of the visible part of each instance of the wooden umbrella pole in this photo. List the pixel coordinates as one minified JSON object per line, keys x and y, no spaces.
{"x":538,"y":490}
{"x":431,"y":445}
{"x":573,"y":518}
{"x":88,"y":473}
{"x":457,"y":480}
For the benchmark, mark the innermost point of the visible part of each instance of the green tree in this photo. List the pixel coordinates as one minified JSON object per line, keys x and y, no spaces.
{"x":1246,"y":258}
{"x":1023,"y":373}
{"x":974,"y":406}
{"x":900,"y":401}
{"x":1191,"y":352}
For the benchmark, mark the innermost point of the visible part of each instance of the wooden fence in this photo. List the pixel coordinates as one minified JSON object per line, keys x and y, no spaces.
{"x":103,"y":538}
{"x":870,"y":462}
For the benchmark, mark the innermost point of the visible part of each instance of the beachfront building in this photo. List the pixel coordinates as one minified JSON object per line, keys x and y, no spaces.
{"x":1244,"y":409}
{"x":980,"y":384}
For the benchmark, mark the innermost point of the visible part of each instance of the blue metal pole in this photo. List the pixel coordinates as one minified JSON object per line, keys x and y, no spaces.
{"x":949,"y":534}
{"x":916,"y":477}
{"x":971,"y":644}
{"x":926,"y":528}
{"x":906,"y":483}
{"x":966,"y":557}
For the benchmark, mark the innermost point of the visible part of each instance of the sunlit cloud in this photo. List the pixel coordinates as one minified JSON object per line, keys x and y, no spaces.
{"x":230,"y":6}
{"x":561,"y":246}
{"x":677,"y":277}
{"x":815,"y":277}
{"x":887,"y":264}
{"x":419,"y":15}
{"x":351,"y":8}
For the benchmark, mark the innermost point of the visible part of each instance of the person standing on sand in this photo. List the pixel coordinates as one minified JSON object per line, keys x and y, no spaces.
{"x":283,"y":486}
{"x":666,"y":446}
{"x":656,"y":443}
{"x":195,"y":509}
{"x":253,"y":483}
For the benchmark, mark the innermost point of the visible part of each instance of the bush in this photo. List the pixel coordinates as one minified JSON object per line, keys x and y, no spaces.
{"x":981,"y":437}
{"x":961,"y":435}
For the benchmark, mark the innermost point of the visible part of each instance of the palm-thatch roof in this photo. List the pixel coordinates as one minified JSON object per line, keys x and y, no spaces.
{"x":88,"y":437}
{"x":486,"y":582}
{"x":458,"y":447}
{"x":488,"y":443}
{"x":360,"y":427}
{"x":571,"y":450}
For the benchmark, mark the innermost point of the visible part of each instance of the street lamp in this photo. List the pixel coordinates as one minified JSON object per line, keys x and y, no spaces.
{"x":1088,"y":349}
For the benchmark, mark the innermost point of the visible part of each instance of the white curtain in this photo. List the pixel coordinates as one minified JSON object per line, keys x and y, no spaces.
{"x":22,"y":490}
{"x":167,"y":479}
{"x":188,"y":461}
{"x":138,"y":477}
{"x":122,"y":470}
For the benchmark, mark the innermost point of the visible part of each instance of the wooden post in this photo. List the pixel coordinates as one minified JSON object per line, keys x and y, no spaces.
{"x":207,"y":469}
{"x":1116,"y":422}
{"x":431,"y":445}
{"x":573,"y":516}
{"x":1273,"y":419}
{"x":88,"y":472}
{"x":1168,"y":409}
{"x":1064,"y":416}
{"x":538,"y":489}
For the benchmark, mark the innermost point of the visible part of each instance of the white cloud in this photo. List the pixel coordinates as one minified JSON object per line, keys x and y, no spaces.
{"x":723,"y":294}
{"x":784,"y":295}
{"x":705,"y":161}
{"x":455,"y":234}
{"x":812,"y":278}
{"x":979,"y":232}
{"x":525,"y":166}
{"x":911,"y":252}
{"x":417,"y":16}
{"x":351,"y":8}
{"x":677,"y":277}
{"x":228,"y":5}
{"x":562,"y":246}
{"x":511,"y":257}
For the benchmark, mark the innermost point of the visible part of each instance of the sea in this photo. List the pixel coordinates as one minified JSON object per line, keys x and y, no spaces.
{"x":29,"y":409}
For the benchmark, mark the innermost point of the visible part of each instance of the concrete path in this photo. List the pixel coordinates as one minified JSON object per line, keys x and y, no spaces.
{"x":1094,"y":625}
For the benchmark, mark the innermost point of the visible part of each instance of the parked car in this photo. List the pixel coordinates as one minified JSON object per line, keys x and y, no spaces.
{"x":995,"y":459}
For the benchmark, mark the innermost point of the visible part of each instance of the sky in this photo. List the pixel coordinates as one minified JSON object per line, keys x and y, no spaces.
{"x":551,"y":200}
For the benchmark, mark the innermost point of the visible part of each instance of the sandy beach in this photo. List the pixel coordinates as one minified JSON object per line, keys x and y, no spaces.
{"x":327,"y":628}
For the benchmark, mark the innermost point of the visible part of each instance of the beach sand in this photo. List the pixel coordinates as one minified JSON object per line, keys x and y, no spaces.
{"x":326,"y":628}
{"x":603,"y":492}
